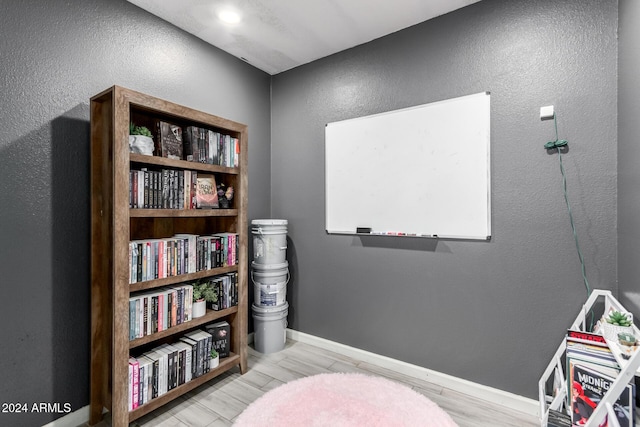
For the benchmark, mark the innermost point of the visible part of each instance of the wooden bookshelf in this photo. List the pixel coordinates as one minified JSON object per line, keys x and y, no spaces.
{"x":114,"y":224}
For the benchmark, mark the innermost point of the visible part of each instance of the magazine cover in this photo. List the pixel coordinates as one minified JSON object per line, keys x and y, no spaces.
{"x":588,"y":385}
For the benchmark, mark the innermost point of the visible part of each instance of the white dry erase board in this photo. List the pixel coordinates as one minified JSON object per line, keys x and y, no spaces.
{"x":422,"y":171}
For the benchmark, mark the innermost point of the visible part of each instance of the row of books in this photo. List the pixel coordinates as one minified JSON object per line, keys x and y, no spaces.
{"x":196,"y":144}
{"x":225,"y":289}
{"x":151,"y":259}
{"x":162,"y":189}
{"x":168,"y":366}
{"x":591,"y":369}
{"x":172,"y":189}
{"x":207,"y":146}
{"x":159,"y":309}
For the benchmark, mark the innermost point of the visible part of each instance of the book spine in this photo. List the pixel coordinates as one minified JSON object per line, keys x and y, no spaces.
{"x":187,"y":150}
{"x":157,"y":189}
{"x":237,"y":158}
{"x":146,"y":188}
{"x":152,"y":183}
{"x":145,"y":315}
{"x":181,"y":189}
{"x":130,"y":385}
{"x":132,"y":328}
{"x":155,"y":372}
{"x":180,"y":380}
{"x":141,"y":383}
{"x":188,"y":365}
{"x":134,"y":188}
{"x":139,"y":259}
{"x":134,"y":369}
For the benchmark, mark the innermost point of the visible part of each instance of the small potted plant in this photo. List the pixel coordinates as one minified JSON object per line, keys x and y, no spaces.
{"x":202,"y":292}
{"x":214,"y":361}
{"x":140,"y":140}
{"x":617,"y":322}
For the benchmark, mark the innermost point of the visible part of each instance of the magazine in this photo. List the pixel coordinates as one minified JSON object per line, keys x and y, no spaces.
{"x":588,"y":385}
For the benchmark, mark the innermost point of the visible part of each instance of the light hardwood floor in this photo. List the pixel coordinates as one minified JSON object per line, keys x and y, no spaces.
{"x":219,"y":402}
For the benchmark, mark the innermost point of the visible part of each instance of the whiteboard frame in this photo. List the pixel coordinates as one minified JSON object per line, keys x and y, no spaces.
{"x":344,"y":150}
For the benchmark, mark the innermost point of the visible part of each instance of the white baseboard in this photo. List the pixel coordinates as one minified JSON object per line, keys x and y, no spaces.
{"x":493,"y":395}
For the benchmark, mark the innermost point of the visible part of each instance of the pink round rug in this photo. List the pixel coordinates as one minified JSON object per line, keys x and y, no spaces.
{"x":341,"y":400}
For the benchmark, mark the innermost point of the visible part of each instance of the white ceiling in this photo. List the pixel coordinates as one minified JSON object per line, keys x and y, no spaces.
{"x":277,"y":35}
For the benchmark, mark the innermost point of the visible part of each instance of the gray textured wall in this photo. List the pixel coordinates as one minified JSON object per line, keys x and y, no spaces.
{"x":629,"y":156}
{"x":471,"y":309}
{"x":490,"y":312}
{"x":54,"y":56}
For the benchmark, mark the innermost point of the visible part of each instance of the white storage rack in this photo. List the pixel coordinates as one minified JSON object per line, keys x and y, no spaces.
{"x":556,"y":368}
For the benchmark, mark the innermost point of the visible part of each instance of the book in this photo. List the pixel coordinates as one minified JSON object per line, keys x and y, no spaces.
{"x":225,"y":143}
{"x":190,"y":149}
{"x":163,"y":370}
{"x":588,"y":383}
{"x":193,"y":345}
{"x":203,"y":143}
{"x":134,"y":389}
{"x":185,"y":366}
{"x":586,"y":337}
{"x":172,"y":364}
{"x":146,"y":378}
{"x":206,"y":192}
{"x":192,"y":190}
{"x":155,"y":372}
{"x":204,"y":341}
{"x":198,"y":360}
{"x":579,"y":352}
{"x":169,"y":140}
{"x":212,"y":148}
{"x":191,"y":240}
{"x":220,"y":332}
{"x":158,"y":372}
{"x":207,"y":340}
{"x":235,"y":144}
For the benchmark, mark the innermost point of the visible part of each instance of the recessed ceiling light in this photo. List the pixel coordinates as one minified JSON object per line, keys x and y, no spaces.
{"x":229,"y":16}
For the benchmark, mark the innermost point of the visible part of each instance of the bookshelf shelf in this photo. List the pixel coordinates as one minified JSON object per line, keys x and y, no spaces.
{"x":225,"y":364}
{"x":182,"y":164}
{"x":211,"y":316}
{"x":158,"y":283}
{"x":115,"y":224}
{"x":185,"y":213}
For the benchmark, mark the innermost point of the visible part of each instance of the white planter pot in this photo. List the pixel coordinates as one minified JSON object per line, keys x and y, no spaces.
{"x":213,"y":363}
{"x":199,"y":309}
{"x":611,"y":332}
{"x":141,"y":144}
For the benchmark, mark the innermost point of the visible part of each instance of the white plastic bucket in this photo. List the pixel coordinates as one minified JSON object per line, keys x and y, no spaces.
{"x":270,"y":283}
{"x":269,"y":240}
{"x":270,"y":328}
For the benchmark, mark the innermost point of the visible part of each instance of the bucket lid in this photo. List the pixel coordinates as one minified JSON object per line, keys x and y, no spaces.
{"x":270,"y":309}
{"x":269,"y":222}
{"x":263,"y":267}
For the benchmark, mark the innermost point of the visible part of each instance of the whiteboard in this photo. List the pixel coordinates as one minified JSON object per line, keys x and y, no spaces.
{"x":421,"y":171}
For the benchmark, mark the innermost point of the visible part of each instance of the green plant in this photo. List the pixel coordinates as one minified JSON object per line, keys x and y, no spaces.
{"x":139,"y":130}
{"x":214,"y":353}
{"x":203,"y":291}
{"x":619,"y":319}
